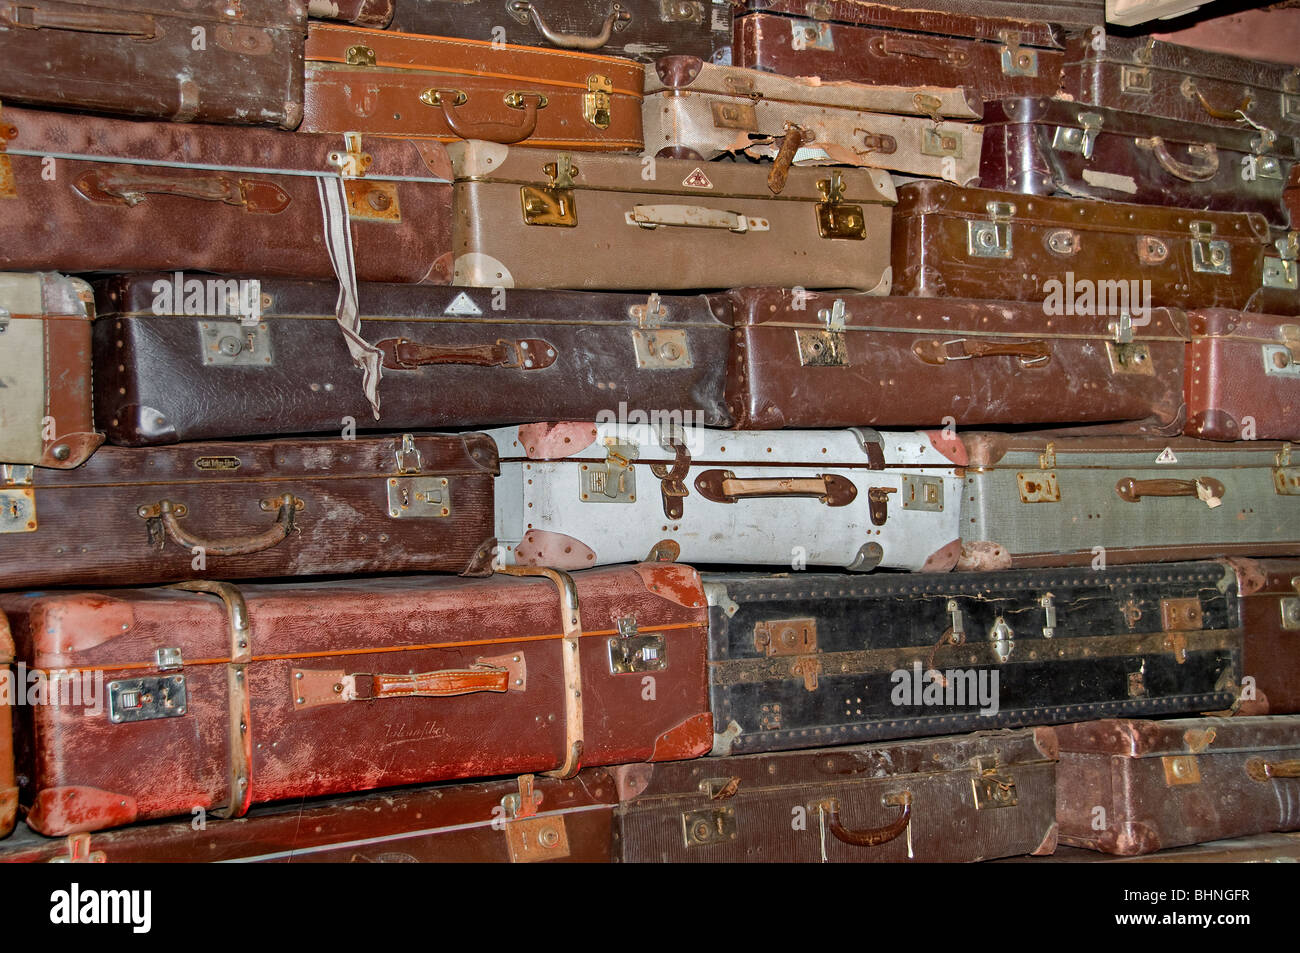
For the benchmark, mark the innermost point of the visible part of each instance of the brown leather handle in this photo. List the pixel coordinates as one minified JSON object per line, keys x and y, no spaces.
{"x":526,"y":354}
{"x":29,"y":17}
{"x":1260,"y":770}
{"x":790,"y":143}
{"x":1133,"y":490}
{"x":443,"y":684}
{"x":872,"y":837}
{"x":618,"y":18}
{"x":722,"y":486}
{"x":163,"y":518}
{"x":919,"y":48}
{"x":938,"y":352}
{"x":1206,"y":156}
{"x":450,"y":100}
{"x":1191,"y":92}
{"x":106,"y":187}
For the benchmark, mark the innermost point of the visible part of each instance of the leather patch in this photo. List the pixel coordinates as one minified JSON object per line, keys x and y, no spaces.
{"x":1048,"y":846}
{"x":1046,"y":742}
{"x":1251,"y":577}
{"x":632,"y":779}
{"x":950,"y":446}
{"x":57,"y":812}
{"x":70,"y":450}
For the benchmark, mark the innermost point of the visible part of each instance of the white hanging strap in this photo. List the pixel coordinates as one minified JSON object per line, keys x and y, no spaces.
{"x":821,"y":824}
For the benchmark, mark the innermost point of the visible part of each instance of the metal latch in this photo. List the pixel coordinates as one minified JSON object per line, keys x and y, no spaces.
{"x":835,"y":219}
{"x":168,"y":659}
{"x":1209,"y":255}
{"x":991,"y":788}
{"x":1125,"y":355}
{"x":630,"y":651}
{"x":824,"y":347}
{"x":797,"y":638}
{"x":146,"y":699}
{"x":1286,"y":478}
{"x":1017,"y":61}
{"x":1181,"y":614}
{"x":958,"y":628}
{"x":552,"y":204}
{"x":1290,"y":607}
{"x":422,"y":497}
{"x":1280,"y":272}
{"x":407,"y":452}
{"x":922,"y":493}
{"x":359,"y":56}
{"x":8,"y":186}
{"x":1001,"y":636}
{"x":1081,"y":140}
{"x":5,"y":318}
{"x":1049,"y":615}
{"x":17,"y":499}
{"x":681,"y":11}
{"x":1040,"y":486}
{"x":992,"y":238}
{"x":1181,"y":769}
{"x":232,"y":344}
{"x":613,"y":481}
{"x":714,"y":825}
{"x":658,"y":349}
{"x":529,"y":837}
{"x":940,"y":142}
{"x":1283,"y":360}
{"x":810,"y":35}
{"x":596,"y":101}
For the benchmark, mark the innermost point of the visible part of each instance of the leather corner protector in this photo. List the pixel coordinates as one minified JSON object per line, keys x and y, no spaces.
{"x":57,"y":812}
{"x":556,"y":441}
{"x":983,"y":555}
{"x":75,"y":622}
{"x":678,"y":584}
{"x":630,"y":780}
{"x":691,"y":739}
{"x":70,"y":450}
{"x":1048,"y":845}
{"x":553,"y":550}
{"x":951,"y":447}
{"x":944,"y":559}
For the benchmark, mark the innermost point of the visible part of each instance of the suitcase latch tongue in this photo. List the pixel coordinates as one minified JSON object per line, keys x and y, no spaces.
{"x":530,"y":837}
{"x":1286,"y":478}
{"x":631,"y":652}
{"x":596,"y":102}
{"x":1017,"y":61}
{"x":17,"y":499}
{"x":1080,"y":140}
{"x":992,"y":238}
{"x":991,"y":788}
{"x":1280,"y":272}
{"x":1209,"y":255}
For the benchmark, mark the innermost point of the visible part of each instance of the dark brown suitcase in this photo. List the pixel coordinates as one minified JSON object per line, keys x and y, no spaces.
{"x":1135,"y":787}
{"x":954,"y":799}
{"x":1069,"y":253}
{"x":371,"y":13}
{"x":451,"y":358}
{"x":481,"y":822}
{"x":1243,"y":376}
{"x":942,"y":44}
{"x":189,"y":60}
{"x":1269,"y":595}
{"x":232,"y":695}
{"x":99,"y":194}
{"x":1053,"y":147}
{"x":637,"y":29}
{"x":251,"y":509}
{"x":8,"y":691}
{"x":1259,"y":849}
{"x":804,"y":359}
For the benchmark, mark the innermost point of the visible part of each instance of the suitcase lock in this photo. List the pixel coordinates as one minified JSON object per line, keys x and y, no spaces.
{"x":17,"y":499}
{"x":1015,"y":60}
{"x":992,"y":789}
{"x":597,"y":101}
{"x":552,"y":204}
{"x":824,"y":347}
{"x":8,"y":187}
{"x":1286,"y":478}
{"x":835,"y":219}
{"x":613,"y":481}
{"x":631,"y":652}
{"x":992,"y":238}
{"x":1290,"y":607}
{"x":1209,"y":255}
{"x":1280,"y":272}
{"x":1070,"y":139}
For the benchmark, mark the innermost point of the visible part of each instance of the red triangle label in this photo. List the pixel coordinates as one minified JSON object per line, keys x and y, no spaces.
{"x":697,"y":180}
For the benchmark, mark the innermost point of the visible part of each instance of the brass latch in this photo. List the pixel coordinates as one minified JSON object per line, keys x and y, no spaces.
{"x":1080,"y":140}
{"x":1181,"y":614}
{"x":1126,"y":356}
{"x":992,"y":238}
{"x":834,"y":218}
{"x":1280,"y":272}
{"x":596,"y":102}
{"x":79,"y":852}
{"x":530,"y":837}
{"x":1017,"y":61}
{"x":17,"y":499}
{"x":371,"y":201}
{"x":1181,"y":769}
{"x":552,"y":204}
{"x":631,"y":652}
{"x":714,"y":825}
{"x":613,"y":481}
{"x":992,"y":789}
{"x":1286,"y":478}
{"x":1209,"y":255}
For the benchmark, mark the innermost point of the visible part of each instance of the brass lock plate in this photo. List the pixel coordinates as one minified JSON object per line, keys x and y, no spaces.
{"x":1038,"y":486}
{"x":611,"y":481}
{"x":1130,"y":359}
{"x":821,"y":348}
{"x":993,"y":791}
{"x":1017,"y":61}
{"x":231,"y":344}
{"x":359,"y":56}
{"x":940,"y":142}
{"x":1181,"y":769}
{"x":1210,"y":256}
{"x":372,"y":201}
{"x":1181,"y":614}
{"x":1278,"y":361}
{"x":922,"y":493}
{"x":546,"y":205}
{"x":735,"y":116}
{"x":18,"y":510}
{"x":988,"y":239}
{"x":422,"y":497}
{"x":146,"y":699}
{"x":779,"y":637}
{"x":662,"y":350}
{"x":838,"y":221}
{"x":596,"y":101}
{"x":638,"y":653}
{"x":1134,"y":79}
{"x":532,"y":839}
{"x":1280,"y":273}
{"x":716,"y":825}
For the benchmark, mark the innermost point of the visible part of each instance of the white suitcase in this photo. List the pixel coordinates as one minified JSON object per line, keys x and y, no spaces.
{"x":572,"y":495}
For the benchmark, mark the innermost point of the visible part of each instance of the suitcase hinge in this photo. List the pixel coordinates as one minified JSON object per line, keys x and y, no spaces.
{"x":1049,"y":615}
{"x":1209,"y":255}
{"x":613,"y":481}
{"x":17,"y":499}
{"x":992,"y":789}
{"x":79,"y":852}
{"x":359,"y":56}
{"x":1280,"y":272}
{"x":1017,"y":61}
{"x":836,"y":220}
{"x":553,"y":204}
{"x":596,"y":102}
{"x":1001,"y":636}
{"x":631,"y":652}
{"x":658,"y":349}
{"x":1080,"y":140}
{"x":824,"y":348}
{"x":530,"y":837}
{"x":991,"y":239}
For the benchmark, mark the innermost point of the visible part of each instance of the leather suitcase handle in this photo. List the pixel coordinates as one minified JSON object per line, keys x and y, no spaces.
{"x":794,"y":138}
{"x":1260,"y":770}
{"x":504,"y":133}
{"x":918,"y":48}
{"x":1190,"y":91}
{"x":618,"y":18}
{"x":28,"y":17}
{"x":1133,"y":490}
{"x":693,"y":216}
{"x":722,"y":486}
{"x":527,"y":354}
{"x":106,"y":187}
{"x":1031,"y":353}
{"x":163,"y":520}
{"x":872,"y":837}
{"x":443,"y":684}
{"x":1204,"y":168}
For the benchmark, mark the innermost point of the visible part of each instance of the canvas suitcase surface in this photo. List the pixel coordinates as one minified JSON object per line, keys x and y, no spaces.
{"x":211,"y":62}
{"x":45,"y":417}
{"x":802,"y":359}
{"x":251,"y":509}
{"x":696,"y":110}
{"x":451,"y":358}
{"x":968,"y":243}
{"x":1164,"y":784}
{"x":1053,"y":147}
{"x":1269,"y":591}
{"x":8,"y":786}
{"x":369,"y":13}
{"x":936,"y":44}
{"x":380,"y":82}
{"x":1243,"y":379}
{"x":581,"y":494}
{"x":635,"y":29}
{"x":802,"y":660}
{"x":491,"y":677}
{"x":957,"y":799}
{"x":137,"y":196}
{"x":479,"y":822}
{"x":1068,"y":501}
{"x":536,"y":219}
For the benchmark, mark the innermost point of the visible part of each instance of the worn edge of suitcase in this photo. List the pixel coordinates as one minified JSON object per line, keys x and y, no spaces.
{"x":8,"y":693}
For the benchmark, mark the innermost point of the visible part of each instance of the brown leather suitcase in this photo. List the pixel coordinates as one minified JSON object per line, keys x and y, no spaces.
{"x":954,"y":799}
{"x":98,"y":194}
{"x":1053,"y":147}
{"x":938,"y":44}
{"x":1257,"y":849}
{"x":370,"y":13}
{"x":1269,"y":591}
{"x":211,"y":62}
{"x":216,"y":696}
{"x":45,"y":416}
{"x":251,"y":509}
{"x":1135,"y":787}
{"x":807,"y":359}
{"x":384,"y":83}
{"x":528,"y":820}
{"x":1243,"y":376}
{"x":451,"y":358}
{"x":8,"y":786}
{"x":1070,"y":253}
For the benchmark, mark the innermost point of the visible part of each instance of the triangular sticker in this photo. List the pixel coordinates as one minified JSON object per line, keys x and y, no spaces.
{"x":463,"y":305}
{"x":697,"y":180}
{"x":1167,"y":456}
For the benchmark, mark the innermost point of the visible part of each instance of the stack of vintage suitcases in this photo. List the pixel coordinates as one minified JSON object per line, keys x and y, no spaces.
{"x":644,"y":430}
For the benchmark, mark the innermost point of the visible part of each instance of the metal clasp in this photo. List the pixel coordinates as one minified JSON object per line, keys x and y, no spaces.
{"x":1049,"y":615}
{"x":1017,"y":61}
{"x":1070,"y":139}
{"x":1209,"y":255}
{"x":836,"y":220}
{"x":552,"y":204}
{"x":991,"y":239}
{"x":17,"y":499}
{"x":596,"y":102}
{"x":406,"y":450}
{"x":1280,"y":272}
{"x":613,"y":481}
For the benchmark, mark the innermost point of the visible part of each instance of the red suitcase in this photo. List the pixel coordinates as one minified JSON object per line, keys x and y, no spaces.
{"x":1243,"y":376}
{"x":8,"y":787}
{"x":1269,"y":591}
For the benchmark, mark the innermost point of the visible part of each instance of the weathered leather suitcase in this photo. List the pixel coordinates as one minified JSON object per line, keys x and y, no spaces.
{"x":971,"y":243}
{"x":956,"y":799}
{"x":802,"y":660}
{"x":581,"y":494}
{"x":370,"y":13}
{"x":1144,"y":75}
{"x":635,"y":29}
{"x":1053,"y":147}
{"x":115,"y":195}
{"x":532,"y":218}
{"x":45,"y":416}
{"x":280,"y":692}
{"x":1162,"y":784}
{"x":803,"y":359}
{"x":251,"y":509}
{"x":936,"y":44}
{"x":8,"y":786}
{"x":451,"y":358}
{"x":1243,"y":376}
{"x":694,"y":110}
{"x":211,"y":62}
{"x":1071,"y":501}
{"x":481,"y":822}
{"x":1269,"y":591}
{"x":1257,"y":849}
{"x":385,"y":83}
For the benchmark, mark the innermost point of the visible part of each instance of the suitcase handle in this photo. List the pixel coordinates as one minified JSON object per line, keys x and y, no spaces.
{"x":1133,"y":490}
{"x":920,"y":49}
{"x":1190,"y":91}
{"x":1031,"y":353}
{"x":500,"y":132}
{"x":722,"y":486}
{"x":443,"y":684}
{"x":618,"y":19}
{"x":27,"y":17}
{"x":527,"y":354}
{"x":651,"y":217}
{"x":1205,"y":166}
{"x":872,"y":837}
{"x":162,"y":518}
{"x":794,"y":138}
{"x":105,"y":187}
{"x":1260,"y":770}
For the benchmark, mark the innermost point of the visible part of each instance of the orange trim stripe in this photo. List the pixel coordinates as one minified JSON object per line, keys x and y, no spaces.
{"x":515,"y":78}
